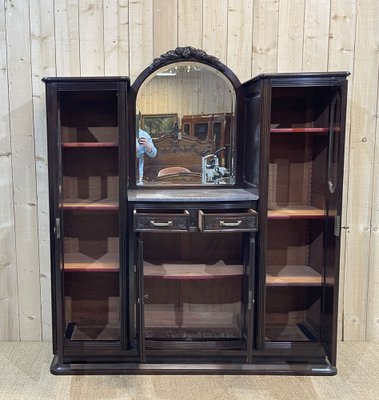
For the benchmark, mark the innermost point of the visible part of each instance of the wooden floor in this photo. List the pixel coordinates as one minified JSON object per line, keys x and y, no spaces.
{"x":24,"y":374}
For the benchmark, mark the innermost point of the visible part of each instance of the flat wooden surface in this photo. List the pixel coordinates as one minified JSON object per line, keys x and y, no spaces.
{"x":191,"y":271}
{"x":78,"y":204}
{"x":43,"y":53}
{"x":96,"y":332}
{"x":293,"y":212}
{"x":23,"y":160}
{"x":290,"y":332}
{"x":90,"y":144}
{"x":10,"y":306}
{"x":25,"y":372}
{"x":78,"y":262}
{"x":292,"y":275}
{"x":299,"y":130}
{"x":190,"y":319}
{"x":288,"y":36}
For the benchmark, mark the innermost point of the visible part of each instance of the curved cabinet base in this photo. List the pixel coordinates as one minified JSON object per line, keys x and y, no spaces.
{"x":191,"y":369}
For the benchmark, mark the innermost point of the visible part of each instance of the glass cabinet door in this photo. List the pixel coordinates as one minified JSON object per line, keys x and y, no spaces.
{"x":89,"y":136}
{"x":297,"y":212}
{"x":193,"y":285}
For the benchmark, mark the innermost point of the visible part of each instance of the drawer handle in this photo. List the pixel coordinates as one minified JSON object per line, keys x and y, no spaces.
{"x":161,"y":224}
{"x":230,"y":224}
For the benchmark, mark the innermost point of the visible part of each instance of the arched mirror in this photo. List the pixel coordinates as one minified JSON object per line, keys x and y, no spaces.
{"x":185,"y":121}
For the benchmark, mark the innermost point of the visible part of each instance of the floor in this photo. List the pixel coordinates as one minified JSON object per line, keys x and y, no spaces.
{"x":24,"y":374}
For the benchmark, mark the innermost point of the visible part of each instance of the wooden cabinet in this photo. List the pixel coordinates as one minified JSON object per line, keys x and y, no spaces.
{"x":215,"y":128}
{"x":232,"y":275}
{"x":300,"y":181}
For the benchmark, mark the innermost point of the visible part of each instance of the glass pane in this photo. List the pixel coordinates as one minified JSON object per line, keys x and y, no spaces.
{"x":334,"y":140}
{"x":90,"y":190}
{"x":294,"y":279}
{"x":201,"y":130}
{"x":176,"y":108}
{"x":297,"y":211}
{"x":194,"y":285}
{"x":253,"y":113}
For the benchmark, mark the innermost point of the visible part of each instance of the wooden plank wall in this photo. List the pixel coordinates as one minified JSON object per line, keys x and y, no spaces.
{"x":120,"y":37}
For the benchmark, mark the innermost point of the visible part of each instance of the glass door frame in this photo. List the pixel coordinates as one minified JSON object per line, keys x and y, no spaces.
{"x":184,"y":348}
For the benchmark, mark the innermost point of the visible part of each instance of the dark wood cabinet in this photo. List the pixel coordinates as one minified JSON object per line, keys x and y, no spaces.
{"x":230,"y":265}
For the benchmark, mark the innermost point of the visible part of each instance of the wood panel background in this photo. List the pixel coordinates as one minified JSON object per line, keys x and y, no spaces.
{"x":121,"y":37}
{"x":188,"y":93}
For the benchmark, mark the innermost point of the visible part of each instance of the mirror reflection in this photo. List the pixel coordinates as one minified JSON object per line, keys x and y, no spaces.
{"x":185,"y":129}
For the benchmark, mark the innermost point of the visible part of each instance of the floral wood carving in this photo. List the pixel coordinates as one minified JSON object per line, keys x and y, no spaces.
{"x":181,"y":53}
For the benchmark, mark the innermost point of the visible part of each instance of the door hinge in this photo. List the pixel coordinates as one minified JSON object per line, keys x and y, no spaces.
{"x":337,"y":225}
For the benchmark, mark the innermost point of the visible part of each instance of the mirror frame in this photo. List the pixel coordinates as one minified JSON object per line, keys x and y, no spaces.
{"x":181,"y":54}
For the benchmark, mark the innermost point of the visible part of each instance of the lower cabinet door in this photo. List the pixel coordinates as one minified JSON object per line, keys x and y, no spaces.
{"x":195,"y":293}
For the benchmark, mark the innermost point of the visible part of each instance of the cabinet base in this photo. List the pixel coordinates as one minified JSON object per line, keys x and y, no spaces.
{"x":118,"y":368}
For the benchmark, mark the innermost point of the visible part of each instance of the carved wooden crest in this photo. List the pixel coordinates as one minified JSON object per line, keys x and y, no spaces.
{"x":182,"y":53}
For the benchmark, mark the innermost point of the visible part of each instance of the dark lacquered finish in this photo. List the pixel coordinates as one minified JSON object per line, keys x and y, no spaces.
{"x":213,"y":317}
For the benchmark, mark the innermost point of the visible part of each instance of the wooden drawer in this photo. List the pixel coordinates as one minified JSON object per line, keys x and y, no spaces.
{"x":228,"y":222}
{"x":160,"y":221}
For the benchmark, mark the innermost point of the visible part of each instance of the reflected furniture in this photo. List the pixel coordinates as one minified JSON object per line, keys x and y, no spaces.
{"x":172,"y":152}
{"x":220,"y":261}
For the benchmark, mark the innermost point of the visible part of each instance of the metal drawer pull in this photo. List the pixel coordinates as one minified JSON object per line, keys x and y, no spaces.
{"x":161,"y":224}
{"x":230,"y":224}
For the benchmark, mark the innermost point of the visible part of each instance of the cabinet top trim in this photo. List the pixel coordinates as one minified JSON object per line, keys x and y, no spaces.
{"x":86,"y":79}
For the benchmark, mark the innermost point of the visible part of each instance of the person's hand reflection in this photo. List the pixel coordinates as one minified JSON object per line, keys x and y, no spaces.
{"x":144,"y":142}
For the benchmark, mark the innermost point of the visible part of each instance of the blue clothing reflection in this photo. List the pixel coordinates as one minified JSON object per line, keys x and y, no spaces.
{"x":148,"y":149}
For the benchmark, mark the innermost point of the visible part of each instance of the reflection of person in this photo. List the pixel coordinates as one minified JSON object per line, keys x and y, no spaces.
{"x":144,"y":145}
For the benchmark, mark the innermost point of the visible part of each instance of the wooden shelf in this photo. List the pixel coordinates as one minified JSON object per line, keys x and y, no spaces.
{"x":292,"y":275}
{"x":94,"y":332}
{"x":89,"y":144}
{"x":79,"y":262}
{"x":191,"y":271}
{"x":285,"y":333}
{"x":101,"y":205}
{"x":189,"y":319}
{"x":299,"y":130}
{"x":296,"y":212}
